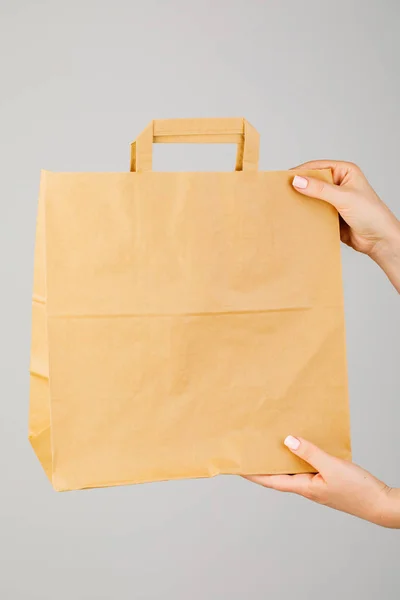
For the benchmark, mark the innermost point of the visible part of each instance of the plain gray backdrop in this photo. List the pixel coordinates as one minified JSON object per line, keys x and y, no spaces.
{"x":79,"y":80}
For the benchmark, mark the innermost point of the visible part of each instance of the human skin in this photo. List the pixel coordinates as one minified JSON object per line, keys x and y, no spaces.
{"x":368,"y":226}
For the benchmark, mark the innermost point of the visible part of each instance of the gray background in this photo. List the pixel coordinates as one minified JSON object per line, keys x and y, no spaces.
{"x":80,"y":79}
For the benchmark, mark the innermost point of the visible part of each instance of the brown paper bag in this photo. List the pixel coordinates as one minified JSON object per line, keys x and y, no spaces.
{"x":184,"y":323}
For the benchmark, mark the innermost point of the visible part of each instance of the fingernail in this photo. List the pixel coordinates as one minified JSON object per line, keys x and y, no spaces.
{"x":300,"y":182}
{"x":292,"y":443}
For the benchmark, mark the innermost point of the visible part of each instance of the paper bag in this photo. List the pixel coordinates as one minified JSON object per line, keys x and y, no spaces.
{"x":184,"y":323}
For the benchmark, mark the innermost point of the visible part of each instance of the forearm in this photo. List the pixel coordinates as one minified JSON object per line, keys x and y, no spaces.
{"x":387,"y":255}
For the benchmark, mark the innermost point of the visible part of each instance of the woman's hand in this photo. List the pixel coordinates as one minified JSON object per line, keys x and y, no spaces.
{"x":366,"y":223}
{"x":339,"y":484}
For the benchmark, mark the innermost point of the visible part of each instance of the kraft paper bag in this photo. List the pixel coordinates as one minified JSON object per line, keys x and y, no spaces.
{"x":184,"y":323}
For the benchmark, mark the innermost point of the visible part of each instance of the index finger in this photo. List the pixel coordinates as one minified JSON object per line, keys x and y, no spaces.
{"x":319,"y":164}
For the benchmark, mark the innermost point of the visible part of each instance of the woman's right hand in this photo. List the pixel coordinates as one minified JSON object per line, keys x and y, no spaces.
{"x":366,"y":223}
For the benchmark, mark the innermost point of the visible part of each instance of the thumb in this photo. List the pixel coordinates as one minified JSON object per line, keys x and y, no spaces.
{"x":311,"y":454}
{"x":316,"y":188}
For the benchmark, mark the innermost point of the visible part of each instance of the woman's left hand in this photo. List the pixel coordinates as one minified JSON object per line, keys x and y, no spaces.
{"x":338,"y":484}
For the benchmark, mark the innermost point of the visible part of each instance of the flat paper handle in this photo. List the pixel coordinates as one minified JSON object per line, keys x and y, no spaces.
{"x":197,"y":131}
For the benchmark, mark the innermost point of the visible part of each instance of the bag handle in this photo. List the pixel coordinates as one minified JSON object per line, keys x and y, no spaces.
{"x":197,"y":131}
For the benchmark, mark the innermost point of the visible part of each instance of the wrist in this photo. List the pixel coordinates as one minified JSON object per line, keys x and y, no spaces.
{"x":387,"y":250}
{"x":388,"y":510}
{"x":386,"y":253}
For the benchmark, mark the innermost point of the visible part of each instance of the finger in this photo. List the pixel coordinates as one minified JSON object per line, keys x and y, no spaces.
{"x":319,"y":164}
{"x":297,"y":484}
{"x":316,"y":188}
{"x":314,"y":456}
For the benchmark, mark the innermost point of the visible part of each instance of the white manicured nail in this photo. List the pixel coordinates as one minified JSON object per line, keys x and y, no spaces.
{"x":300,"y":182}
{"x":292,"y":443}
